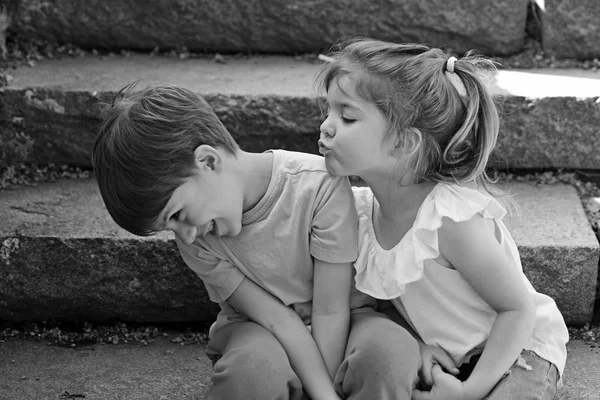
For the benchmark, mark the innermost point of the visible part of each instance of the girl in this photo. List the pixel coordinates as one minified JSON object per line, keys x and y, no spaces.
{"x":418,"y":128}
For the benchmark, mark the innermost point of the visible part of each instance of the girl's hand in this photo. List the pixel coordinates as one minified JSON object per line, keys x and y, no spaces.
{"x":431,"y":356}
{"x":445,"y":387}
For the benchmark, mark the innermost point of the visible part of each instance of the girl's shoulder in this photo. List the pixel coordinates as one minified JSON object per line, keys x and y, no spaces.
{"x":459,"y":203}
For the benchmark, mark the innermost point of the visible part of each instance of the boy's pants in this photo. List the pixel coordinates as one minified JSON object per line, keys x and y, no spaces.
{"x":381,"y":362}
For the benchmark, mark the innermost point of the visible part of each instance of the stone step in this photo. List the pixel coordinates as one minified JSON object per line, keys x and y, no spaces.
{"x":50,"y":112}
{"x":567,"y":28}
{"x":570,"y":28}
{"x":63,"y":258}
{"x":166,"y":370}
{"x":271,"y":26}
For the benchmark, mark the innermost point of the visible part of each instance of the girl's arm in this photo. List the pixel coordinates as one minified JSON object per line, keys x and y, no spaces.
{"x":430,"y":355}
{"x":284,"y":323}
{"x":473,"y":249}
{"x":331,"y":311}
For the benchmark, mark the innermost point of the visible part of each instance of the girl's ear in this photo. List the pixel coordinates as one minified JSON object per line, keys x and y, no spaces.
{"x":410,"y":141}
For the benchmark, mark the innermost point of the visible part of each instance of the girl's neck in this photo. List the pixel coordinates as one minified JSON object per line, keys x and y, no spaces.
{"x":395,"y":210}
{"x":395,"y":200}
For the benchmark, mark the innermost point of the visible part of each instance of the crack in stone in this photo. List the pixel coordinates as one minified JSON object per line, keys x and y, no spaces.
{"x":26,"y":211}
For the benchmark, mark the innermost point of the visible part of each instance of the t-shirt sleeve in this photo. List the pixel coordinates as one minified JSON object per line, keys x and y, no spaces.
{"x":334,"y":236}
{"x":221,"y":278}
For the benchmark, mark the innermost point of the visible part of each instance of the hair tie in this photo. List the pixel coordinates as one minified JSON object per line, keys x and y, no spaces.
{"x":455,"y":79}
{"x":450,"y":64}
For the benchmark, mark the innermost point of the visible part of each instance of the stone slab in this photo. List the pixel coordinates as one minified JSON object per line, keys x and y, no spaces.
{"x":550,"y":117}
{"x":558,"y":248}
{"x":164,"y":370}
{"x":271,"y":26}
{"x":62,"y":257}
{"x":570,"y":28}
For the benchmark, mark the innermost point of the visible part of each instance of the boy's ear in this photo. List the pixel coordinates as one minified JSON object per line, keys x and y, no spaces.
{"x":208,"y":158}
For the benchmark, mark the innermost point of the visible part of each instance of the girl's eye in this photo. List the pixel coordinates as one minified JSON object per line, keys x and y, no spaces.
{"x":348,"y":120}
{"x":175,"y":216}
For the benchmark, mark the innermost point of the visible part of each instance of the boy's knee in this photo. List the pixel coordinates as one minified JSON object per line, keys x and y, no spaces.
{"x":254,"y":374}
{"x":386,"y":348}
{"x":260,"y":357}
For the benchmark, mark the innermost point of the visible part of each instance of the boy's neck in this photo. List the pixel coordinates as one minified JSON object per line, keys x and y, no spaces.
{"x":254,"y":171}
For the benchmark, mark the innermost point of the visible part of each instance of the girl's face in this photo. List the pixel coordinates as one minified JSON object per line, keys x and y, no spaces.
{"x":353,"y":136}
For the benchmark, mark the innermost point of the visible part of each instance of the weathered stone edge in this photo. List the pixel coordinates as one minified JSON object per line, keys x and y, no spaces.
{"x":548,"y":133}
{"x":271,"y":26}
{"x":45,"y":278}
{"x":573,"y":288}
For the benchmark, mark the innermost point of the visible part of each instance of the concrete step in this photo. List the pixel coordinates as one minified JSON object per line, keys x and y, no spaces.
{"x":168,"y":371}
{"x":63,"y":258}
{"x":50,"y":112}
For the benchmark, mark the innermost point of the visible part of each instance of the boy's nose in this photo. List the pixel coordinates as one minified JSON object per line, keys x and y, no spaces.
{"x":186,"y":233}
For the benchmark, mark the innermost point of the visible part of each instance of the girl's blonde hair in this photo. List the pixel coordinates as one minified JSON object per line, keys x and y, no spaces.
{"x":411,"y":86}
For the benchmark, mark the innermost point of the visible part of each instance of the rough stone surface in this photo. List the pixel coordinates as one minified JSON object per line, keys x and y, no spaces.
{"x":550,"y":118}
{"x":258,"y":123}
{"x":62,"y":257}
{"x":560,"y":132}
{"x":558,"y":248}
{"x":571,"y":28}
{"x":553,"y":132}
{"x":274,"y":26}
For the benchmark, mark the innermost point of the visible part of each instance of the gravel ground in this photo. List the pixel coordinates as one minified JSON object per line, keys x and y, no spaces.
{"x":86,"y":333}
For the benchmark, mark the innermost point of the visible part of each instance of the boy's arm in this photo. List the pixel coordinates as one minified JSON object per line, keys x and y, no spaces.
{"x":284,"y":323}
{"x":331,"y":311}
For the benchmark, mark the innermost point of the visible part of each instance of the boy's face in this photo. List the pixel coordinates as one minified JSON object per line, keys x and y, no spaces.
{"x":209,"y":203}
{"x":353,"y":137}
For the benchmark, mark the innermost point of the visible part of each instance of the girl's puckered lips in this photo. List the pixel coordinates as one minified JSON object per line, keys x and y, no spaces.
{"x":323,"y":149}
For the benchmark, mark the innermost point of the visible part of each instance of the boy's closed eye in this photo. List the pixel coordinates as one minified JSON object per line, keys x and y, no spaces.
{"x":347,"y":120}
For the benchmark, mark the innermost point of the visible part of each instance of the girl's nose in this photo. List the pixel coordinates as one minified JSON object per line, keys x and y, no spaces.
{"x":327,"y":128}
{"x":186,"y":233}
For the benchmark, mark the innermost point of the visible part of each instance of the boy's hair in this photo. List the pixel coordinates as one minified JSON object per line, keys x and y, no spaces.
{"x":409,"y":84}
{"x":145,"y":150}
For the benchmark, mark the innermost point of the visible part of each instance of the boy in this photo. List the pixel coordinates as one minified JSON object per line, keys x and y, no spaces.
{"x":273,"y":237}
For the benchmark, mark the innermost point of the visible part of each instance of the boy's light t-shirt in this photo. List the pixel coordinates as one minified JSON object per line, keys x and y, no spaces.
{"x":305,"y":213}
{"x":432,"y":296}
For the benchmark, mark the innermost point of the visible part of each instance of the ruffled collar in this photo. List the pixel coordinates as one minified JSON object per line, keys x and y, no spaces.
{"x":384,"y":274}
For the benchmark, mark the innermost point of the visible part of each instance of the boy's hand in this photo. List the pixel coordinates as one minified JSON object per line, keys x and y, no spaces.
{"x":268,"y":311}
{"x":432,"y":356}
{"x":445,"y":387}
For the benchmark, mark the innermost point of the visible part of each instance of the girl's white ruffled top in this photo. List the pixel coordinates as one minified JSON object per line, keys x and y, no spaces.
{"x":430,"y":294}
